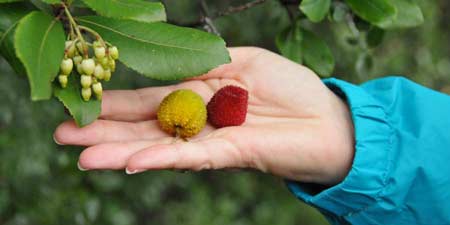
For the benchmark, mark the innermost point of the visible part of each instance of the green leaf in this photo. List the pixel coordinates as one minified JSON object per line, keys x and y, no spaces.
{"x":375,"y":37}
{"x":7,"y":1}
{"x":315,"y":10}
{"x":10,"y":15}
{"x":374,"y":11}
{"x":408,"y":15}
{"x":159,"y":50}
{"x":302,"y":46}
{"x":317,"y":55}
{"x":340,"y":10}
{"x":52,"y":1}
{"x":83,"y":112}
{"x":289,"y":43}
{"x":129,"y":9}
{"x":39,"y":42}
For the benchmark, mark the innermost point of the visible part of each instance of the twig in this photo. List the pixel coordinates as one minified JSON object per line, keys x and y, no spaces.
{"x":208,"y":23}
{"x":240,"y":8}
{"x":206,"y":19}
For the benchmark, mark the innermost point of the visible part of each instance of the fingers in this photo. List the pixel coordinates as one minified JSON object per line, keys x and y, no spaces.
{"x":114,"y":155}
{"x":102,"y":131}
{"x":200,"y":155}
{"x":142,"y":104}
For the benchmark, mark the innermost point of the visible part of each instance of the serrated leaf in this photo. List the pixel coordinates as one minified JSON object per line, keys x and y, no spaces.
{"x":10,"y":15}
{"x":409,"y":14}
{"x":82,"y":112}
{"x":289,"y":43}
{"x":317,"y":55}
{"x":315,"y":10}
{"x":159,"y":50}
{"x":39,"y":42}
{"x":129,"y":9}
{"x":374,"y":11}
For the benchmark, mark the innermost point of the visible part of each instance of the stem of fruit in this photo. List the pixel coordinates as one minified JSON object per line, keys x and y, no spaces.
{"x":77,"y":30}
{"x":93,"y":32}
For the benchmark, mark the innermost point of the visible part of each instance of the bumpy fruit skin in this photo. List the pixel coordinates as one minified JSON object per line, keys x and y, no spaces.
{"x":182,"y":113}
{"x":228,"y":107}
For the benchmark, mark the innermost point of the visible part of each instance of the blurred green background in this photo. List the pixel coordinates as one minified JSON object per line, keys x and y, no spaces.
{"x":40,"y":182}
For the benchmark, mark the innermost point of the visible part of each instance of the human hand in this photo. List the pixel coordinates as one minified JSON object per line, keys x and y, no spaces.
{"x":296,"y":127}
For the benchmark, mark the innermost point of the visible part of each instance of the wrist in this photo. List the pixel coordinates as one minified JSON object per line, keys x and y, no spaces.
{"x":340,"y":143}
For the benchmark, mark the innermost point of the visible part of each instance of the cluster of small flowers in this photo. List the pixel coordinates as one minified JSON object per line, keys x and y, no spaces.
{"x":91,"y":70}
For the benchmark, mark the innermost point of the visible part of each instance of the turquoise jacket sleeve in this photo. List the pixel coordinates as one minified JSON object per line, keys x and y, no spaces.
{"x":401,"y":168}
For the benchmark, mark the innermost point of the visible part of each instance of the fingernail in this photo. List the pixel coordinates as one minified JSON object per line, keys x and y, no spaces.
{"x":129,"y":172}
{"x":56,"y":141}
{"x":81,"y":168}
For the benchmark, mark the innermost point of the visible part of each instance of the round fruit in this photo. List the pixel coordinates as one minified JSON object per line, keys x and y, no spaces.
{"x":182,"y":113}
{"x":228,"y":107}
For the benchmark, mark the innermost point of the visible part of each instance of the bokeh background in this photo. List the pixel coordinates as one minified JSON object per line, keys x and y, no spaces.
{"x":40,"y":182}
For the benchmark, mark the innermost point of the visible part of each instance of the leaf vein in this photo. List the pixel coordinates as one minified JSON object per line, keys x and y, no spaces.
{"x":143,"y":40}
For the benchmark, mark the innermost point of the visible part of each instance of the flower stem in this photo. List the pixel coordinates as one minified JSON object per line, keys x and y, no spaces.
{"x":77,"y":30}
{"x":93,"y":32}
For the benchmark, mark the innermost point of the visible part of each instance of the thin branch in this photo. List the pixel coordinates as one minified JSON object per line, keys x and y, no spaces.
{"x":208,"y":23}
{"x":240,"y":8}
{"x":207,"y":20}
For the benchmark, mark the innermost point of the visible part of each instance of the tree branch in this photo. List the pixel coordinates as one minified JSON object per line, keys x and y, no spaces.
{"x":240,"y":8}
{"x":208,"y":23}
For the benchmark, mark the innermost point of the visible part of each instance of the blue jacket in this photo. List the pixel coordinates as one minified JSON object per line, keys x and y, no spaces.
{"x":401,"y":169}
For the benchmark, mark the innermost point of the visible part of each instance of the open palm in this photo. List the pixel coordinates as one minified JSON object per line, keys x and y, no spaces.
{"x":295,"y":128}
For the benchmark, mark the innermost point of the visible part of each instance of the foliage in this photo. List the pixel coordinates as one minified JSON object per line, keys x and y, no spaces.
{"x":134,"y":26}
{"x":39,"y":182}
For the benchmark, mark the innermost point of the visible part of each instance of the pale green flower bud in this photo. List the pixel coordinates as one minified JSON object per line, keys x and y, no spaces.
{"x":100,"y":52}
{"x":86,"y":93}
{"x":88,"y":66}
{"x":66,"y":66}
{"x":70,"y":48}
{"x":99,"y":72}
{"x":86,"y":81}
{"x":112,"y":65}
{"x":107,"y":75}
{"x":63,"y":80}
{"x":114,"y":52}
{"x":77,"y":59}
{"x":98,"y":90}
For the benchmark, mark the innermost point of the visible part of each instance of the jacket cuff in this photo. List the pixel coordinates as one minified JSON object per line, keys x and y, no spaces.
{"x":373,"y":143}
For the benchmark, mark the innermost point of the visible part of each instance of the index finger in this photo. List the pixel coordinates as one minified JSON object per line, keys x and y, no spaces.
{"x":142,"y":104}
